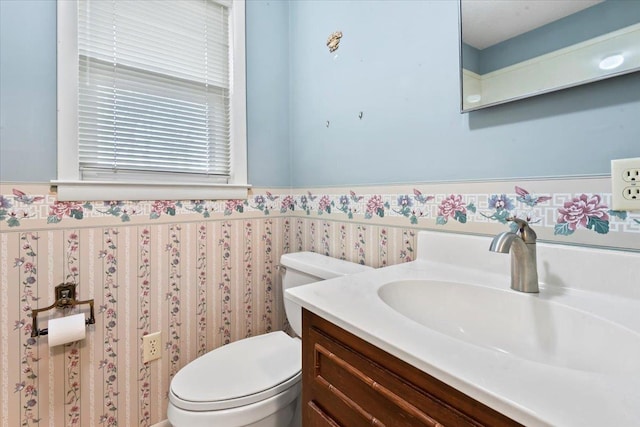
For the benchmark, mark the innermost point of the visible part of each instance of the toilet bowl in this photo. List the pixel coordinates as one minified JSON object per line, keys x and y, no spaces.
{"x":254,"y":381}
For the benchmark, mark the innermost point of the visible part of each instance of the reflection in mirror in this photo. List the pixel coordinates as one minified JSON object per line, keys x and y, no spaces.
{"x":512,"y":49}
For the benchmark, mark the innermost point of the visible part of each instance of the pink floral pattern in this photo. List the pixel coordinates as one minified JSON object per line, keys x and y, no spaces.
{"x":27,"y":387}
{"x":201,"y":307}
{"x":383,"y":238}
{"x":73,"y":384}
{"x":406,"y":253}
{"x":324,"y":205}
{"x":286,"y":245}
{"x":144,"y":324}
{"x":287,"y":204}
{"x":173,"y":249}
{"x":453,"y":207}
{"x":361,"y":245}
{"x":109,"y":364}
{"x":59,"y":210}
{"x":72,"y":350}
{"x":312,"y":235}
{"x":71,"y":258}
{"x":225,"y":284}
{"x":450,"y":205}
{"x":583,"y":211}
{"x":299,"y":234}
{"x":162,"y":206}
{"x":248,"y":279}
{"x":232,"y":206}
{"x":375,"y":206}
{"x":326,"y":238}
{"x":267,"y":280}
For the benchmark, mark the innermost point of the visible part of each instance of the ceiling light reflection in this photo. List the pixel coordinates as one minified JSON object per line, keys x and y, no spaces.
{"x":611,"y":62}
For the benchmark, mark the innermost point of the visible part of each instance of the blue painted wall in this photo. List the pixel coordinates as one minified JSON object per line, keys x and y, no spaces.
{"x":398,"y":64}
{"x":27,"y":90}
{"x":267,"y":25}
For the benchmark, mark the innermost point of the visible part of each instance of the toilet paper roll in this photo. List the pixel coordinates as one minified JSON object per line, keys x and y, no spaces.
{"x":67,"y":329}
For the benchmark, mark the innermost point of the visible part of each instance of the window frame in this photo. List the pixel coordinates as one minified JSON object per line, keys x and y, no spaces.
{"x":70,"y":186}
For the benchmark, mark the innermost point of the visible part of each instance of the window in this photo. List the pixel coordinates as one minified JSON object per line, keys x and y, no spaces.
{"x":151,"y":100}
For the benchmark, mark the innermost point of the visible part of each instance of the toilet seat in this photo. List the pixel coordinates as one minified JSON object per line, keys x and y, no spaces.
{"x":238,"y":374}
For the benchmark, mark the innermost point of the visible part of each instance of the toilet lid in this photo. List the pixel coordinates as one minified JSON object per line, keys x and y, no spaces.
{"x":238,"y":374}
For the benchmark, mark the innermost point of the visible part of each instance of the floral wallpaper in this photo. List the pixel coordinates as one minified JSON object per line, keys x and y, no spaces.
{"x":564,"y":213}
{"x":204,"y":273}
{"x":143,"y":321}
{"x":188,"y":280}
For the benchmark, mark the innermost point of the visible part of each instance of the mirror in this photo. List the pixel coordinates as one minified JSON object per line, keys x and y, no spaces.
{"x":513,"y":49}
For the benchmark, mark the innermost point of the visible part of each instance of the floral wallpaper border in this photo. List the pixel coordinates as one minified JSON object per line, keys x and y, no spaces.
{"x":582,"y":217}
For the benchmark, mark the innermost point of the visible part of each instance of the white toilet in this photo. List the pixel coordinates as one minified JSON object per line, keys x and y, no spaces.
{"x":254,"y":381}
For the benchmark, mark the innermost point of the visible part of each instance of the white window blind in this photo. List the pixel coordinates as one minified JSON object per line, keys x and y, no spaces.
{"x":154,"y":90}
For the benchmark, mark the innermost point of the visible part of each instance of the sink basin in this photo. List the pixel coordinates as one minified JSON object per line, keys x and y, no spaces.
{"x":568,"y":356}
{"x":521,"y":325}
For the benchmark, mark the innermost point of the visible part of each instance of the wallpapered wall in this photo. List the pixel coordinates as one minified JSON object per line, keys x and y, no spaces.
{"x":203,"y":280}
{"x":204,"y":273}
{"x":203,"y":284}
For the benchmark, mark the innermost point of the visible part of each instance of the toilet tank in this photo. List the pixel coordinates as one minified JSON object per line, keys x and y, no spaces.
{"x":302,"y":268}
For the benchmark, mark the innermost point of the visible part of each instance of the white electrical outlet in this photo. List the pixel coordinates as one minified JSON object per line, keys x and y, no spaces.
{"x":625,"y":184}
{"x":151,"y":347}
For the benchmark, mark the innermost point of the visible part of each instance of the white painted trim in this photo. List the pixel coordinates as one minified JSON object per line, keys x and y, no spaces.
{"x":238,"y":97}
{"x":69,"y":183}
{"x":90,"y":190}
{"x":67,"y":90}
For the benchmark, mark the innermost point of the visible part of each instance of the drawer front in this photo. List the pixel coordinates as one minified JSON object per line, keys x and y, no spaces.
{"x":356,"y":384}
{"x":372,"y":393}
{"x":318,"y":418}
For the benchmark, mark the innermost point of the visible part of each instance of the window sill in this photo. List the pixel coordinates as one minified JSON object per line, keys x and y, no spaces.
{"x":102,"y":190}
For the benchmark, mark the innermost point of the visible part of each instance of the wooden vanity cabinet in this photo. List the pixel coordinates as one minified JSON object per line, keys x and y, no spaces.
{"x":349,"y":382}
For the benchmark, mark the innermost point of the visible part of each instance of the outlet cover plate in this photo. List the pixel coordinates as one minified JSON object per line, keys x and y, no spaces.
{"x":625,"y":184}
{"x":151,"y":347}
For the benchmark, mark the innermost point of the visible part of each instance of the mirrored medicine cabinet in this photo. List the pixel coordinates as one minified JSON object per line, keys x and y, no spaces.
{"x":514,"y":49}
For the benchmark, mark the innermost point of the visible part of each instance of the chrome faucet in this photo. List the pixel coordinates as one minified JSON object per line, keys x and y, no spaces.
{"x":524,"y":268}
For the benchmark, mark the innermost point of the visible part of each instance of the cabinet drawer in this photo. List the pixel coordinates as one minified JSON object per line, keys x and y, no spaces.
{"x":357,"y":384}
{"x":375,"y":394}
{"x":318,"y":418}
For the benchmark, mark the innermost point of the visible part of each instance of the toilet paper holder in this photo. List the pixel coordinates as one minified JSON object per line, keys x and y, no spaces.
{"x":65,"y":298}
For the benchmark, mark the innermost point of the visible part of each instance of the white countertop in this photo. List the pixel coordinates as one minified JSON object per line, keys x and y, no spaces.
{"x":532,"y":393}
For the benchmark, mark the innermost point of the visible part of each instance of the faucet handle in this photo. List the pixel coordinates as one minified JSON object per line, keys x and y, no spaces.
{"x":526,"y":232}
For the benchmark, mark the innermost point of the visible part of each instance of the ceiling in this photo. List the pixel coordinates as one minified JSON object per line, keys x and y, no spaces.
{"x":487,"y":22}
